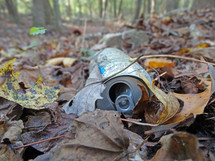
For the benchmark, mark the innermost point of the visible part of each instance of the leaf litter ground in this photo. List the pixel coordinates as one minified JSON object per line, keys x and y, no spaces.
{"x":101,"y":133}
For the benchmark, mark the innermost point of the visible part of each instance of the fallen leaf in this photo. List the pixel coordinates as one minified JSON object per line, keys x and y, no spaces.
{"x":7,"y":154}
{"x":178,"y":146}
{"x":40,"y":127}
{"x":183,"y":51}
{"x":169,"y":102}
{"x":193,"y":104}
{"x":212,"y":75}
{"x":98,"y":136}
{"x":158,"y":63}
{"x":33,"y":98}
{"x":204,"y":52}
{"x":10,"y":131}
{"x":37,"y":30}
{"x":67,"y":62}
{"x":13,"y":130}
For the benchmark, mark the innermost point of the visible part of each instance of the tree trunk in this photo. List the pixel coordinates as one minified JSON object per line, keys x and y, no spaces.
{"x":12,"y":10}
{"x":105,"y":5}
{"x":57,"y":15}
{"x":138,"y":8}
{"x":90,"y":3}
{"x":80,"y":8}
{"x":48,"y":12}
{"x":38,"y":13}
{"x":171,"y":5}
{"x":120,"y":7}
{"x":100,"y":8}
{"x":149,"y":6}
{"x":69,"y":10}
{"x":114,"y":8}
{"x":153,"y":6}
{"x":200,"y":4}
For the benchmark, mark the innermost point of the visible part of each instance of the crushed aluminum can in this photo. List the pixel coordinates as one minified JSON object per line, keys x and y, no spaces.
{"x":121,"y":92}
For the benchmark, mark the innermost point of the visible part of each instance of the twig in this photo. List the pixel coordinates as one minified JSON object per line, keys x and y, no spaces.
{"x":11,"y":107}
{"x":22,"y":146}
{"x":105,"y":79}
{"x":172,"y":56}
{"x":139,"y":146}
{"x":139,"y":123}
{"x":133,"y":61}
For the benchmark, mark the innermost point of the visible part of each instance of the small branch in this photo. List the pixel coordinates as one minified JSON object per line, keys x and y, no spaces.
{"x":134,"y":60}
{"x":11,"y":107}
{"x":139,"y":123}
{"x":139,"y":146}
{"x":57,"y":137}
{"x":172,"y":56}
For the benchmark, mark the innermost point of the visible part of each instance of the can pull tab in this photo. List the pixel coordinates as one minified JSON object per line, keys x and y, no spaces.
{"x":121,"y":95}
{"x":124,"y":104}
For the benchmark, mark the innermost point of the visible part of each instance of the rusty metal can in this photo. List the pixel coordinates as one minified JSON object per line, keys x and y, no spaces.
{"x":121,"y":91}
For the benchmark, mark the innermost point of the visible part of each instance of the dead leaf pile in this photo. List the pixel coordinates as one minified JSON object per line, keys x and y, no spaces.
{"x":183,"y":99}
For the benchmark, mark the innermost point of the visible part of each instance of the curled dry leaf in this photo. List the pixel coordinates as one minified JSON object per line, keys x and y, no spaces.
{"x":67,"y":62}
{"x":193,"y":104}
{"x":170,"y":105}
{"x":178,"y":146}
{"x":99,"y":135}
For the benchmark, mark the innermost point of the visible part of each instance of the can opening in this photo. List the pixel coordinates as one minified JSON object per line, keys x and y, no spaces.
{"x":119,"y":89}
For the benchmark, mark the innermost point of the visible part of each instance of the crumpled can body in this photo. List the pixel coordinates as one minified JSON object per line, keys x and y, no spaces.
{"x":121,"y":91}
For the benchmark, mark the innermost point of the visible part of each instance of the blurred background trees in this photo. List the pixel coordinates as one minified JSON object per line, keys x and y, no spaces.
{"x":53,"y":12}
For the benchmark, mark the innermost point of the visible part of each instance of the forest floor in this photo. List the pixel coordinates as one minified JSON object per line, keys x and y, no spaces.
{"x":34,"y":125}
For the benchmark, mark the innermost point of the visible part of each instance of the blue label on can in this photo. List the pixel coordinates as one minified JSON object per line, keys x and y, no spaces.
{"x":101,"y":69}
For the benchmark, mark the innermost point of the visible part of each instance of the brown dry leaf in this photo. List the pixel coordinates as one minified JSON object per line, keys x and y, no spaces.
{"x":7,"y":154}
{"x":40,"y":127}
{"x":67,"y":62}
{"x":99,"y":136}
{"x":158,"y":63}
{"x":204,"y":52}
{"x":193,"y":104}
{"x":10,"y":130}
{"x":178,"y":146}
{"x":169,"y":101}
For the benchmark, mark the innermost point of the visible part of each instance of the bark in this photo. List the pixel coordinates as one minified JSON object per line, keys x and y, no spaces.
{"x":38,"y":13}
{"x":153,"y":6}
{"x":69,"y":9}
{"x":105,"y":5}
{"x":120,"y":7}
{"x":149,"y":6}
{"x":114,"y":8}
{"x":80,"y":8}
{"x":138,"y":8}
{"x":171,"y":5}
{"x":48,"y":12}
{"x":12,"y":10}
{"x":57,"y":15}
{"x":100,"y":8}
{"x":200,"y":4}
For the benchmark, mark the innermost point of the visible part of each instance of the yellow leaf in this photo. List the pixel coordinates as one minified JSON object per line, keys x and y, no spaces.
{"x":203,"y":45}
{"x":158,"y":63}
{"x":170,"y":102}
{"x":183,"y":51}
{"x":33,"y":98}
